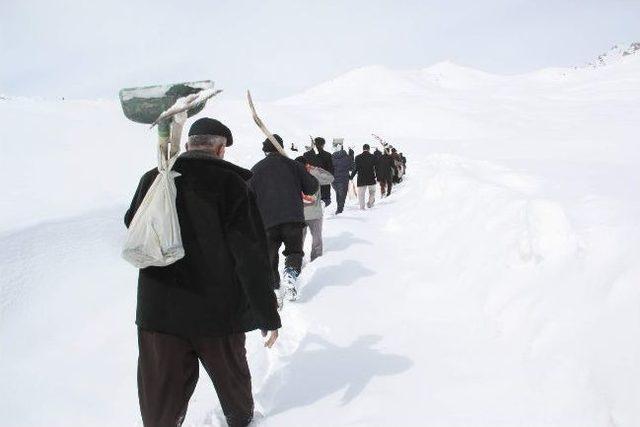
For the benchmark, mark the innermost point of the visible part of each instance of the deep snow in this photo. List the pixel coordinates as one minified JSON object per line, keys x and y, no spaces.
{"x":497,"y":286}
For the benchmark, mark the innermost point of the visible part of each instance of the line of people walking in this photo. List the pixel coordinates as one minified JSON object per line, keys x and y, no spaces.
{"x":384,"y":168}
{"x":234,"y":223}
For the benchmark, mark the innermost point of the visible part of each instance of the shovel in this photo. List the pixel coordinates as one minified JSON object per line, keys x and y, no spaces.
{"x":158,"y":105}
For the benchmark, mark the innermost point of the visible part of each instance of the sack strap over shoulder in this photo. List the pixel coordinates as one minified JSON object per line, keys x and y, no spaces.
{"x":164,"y":164}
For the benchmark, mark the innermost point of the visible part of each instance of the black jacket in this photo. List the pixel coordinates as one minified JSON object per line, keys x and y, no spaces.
{"x":322,"y":159}
{"x":341,"y":166}
{"x":377,"y":154}
{"x":223,"y":284}
{"x":278,"y":183}
{"x":365,"y":165}
{"x":384,"y":168}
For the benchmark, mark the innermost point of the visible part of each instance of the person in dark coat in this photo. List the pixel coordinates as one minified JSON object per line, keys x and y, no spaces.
{"x":342,"y":166}
{"x":199,"y":308}
{"x":321,"y":158}
{"x":278,"y":183}
{"x":398,"y":168}
{"x":365,"y":168}
{"x":384,"y":172}
{"x":377,"y":154}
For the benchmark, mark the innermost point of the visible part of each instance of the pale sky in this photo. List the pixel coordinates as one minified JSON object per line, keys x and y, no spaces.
{"x":90,"y":49}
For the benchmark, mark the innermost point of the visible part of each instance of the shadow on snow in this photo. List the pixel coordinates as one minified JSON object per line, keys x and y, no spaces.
{"x":343,"y":241}
{"x":343,"y":274}
{"x":320,"y":368}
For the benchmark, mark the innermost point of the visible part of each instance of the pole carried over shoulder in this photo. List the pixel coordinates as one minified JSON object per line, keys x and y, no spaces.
{"x":187,"y":103}
{"x":263,"y":128}
{"x":380,"y":140}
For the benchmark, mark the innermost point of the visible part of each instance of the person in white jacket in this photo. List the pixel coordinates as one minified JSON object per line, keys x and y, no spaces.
{"x":314,"y":209}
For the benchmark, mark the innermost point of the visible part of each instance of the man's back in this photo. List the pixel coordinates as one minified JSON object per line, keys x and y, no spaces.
{"x":341,"y":166}
{"x":277,"y":183}
{"x":384,"y":167}
{"x":206,"y":293}
{"x":365,"y":169}
{"x":322,"y":159}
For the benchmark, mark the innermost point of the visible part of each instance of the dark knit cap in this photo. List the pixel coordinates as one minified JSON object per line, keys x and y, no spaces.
{"x":207,"y":126}
{"x":366,"y":147}
{"x":268,"y":147}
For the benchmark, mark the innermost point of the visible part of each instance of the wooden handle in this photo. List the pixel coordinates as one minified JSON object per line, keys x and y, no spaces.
{"x":263,"y":128}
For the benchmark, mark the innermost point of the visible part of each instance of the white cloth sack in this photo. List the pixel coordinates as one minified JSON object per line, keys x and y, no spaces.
{"x":153,"y":238}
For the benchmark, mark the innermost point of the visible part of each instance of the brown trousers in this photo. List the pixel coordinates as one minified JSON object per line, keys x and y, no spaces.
{"x":385,"y":188}
{"x":168,"y":373}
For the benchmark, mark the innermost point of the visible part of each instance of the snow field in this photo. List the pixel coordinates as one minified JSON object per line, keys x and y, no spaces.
{"x":497,"y":286}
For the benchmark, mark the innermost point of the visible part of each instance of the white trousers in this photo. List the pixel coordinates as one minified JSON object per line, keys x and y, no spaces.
{"x":372,"y":195}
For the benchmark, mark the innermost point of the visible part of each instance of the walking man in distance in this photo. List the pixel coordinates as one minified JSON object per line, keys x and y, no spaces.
{"x":365,"y":165}
{"x":342,"y":165}
{"x":384,"y":170}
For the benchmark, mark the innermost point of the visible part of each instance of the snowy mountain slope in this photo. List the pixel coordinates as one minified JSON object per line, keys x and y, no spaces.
{"x":617,"y":53}
{"x":558,"y":113}
{"x":584,"y":114}
{"x":496,"y":287}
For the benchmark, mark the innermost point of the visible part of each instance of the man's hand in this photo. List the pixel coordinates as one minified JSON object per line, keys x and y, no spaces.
{"x":273,"y":336}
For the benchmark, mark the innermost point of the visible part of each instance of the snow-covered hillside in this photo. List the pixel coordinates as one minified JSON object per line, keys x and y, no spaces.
{"x":555,"y":114}
{"x":497,"y":286}
{"x":616,"y":54}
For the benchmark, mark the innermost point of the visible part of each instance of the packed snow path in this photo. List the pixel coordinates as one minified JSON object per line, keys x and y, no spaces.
{"x":464,"y":299}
